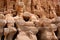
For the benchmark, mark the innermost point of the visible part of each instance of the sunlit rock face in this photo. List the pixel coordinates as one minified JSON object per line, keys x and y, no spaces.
{"x":29,"y":19}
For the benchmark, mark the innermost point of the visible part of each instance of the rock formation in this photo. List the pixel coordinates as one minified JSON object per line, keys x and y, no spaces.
{"x":30,"y":19}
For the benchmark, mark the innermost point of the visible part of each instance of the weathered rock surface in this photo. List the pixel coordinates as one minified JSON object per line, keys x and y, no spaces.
{"x":30,"y":19}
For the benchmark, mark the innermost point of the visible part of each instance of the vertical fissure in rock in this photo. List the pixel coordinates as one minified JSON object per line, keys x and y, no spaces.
{"x":14,"y":5}
{"x":15,"y":25}
{"x":5,"y":26}
{"x":2,"y":37}
{"x":56,"y":32}
{"x":14,"y":37}
{"x":38,"y":35}
{"x":35,"y":6}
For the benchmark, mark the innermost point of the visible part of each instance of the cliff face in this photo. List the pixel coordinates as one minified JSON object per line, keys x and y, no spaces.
{"x":30,"y":19}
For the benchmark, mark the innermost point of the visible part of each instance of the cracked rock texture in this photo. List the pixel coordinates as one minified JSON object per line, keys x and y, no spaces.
{"x":29,"y":19}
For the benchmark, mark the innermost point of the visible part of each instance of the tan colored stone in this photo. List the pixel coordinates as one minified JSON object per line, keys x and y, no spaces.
{"x":26,"y":18}
{"x":26,"y":27}
{"x":9,"y":33}
{"x":2,"y":24}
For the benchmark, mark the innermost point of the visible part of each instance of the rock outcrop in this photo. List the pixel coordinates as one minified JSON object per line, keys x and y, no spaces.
{"x":30,"y":19}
